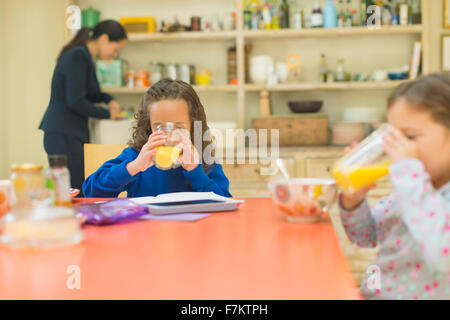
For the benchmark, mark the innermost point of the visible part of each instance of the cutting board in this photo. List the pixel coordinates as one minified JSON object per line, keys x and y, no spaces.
{"x":306,"y":129}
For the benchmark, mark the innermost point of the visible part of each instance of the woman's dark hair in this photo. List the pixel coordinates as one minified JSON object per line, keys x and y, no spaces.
{"x":167,"y":89}
{"x":431,"y":93}
{"x":112,"y":28}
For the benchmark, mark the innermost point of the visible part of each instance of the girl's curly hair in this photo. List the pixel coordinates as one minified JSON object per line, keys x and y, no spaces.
{"x":167,"y":89}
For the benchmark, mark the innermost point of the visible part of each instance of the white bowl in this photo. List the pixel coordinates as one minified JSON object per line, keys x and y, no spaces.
{"x":305,"y":199}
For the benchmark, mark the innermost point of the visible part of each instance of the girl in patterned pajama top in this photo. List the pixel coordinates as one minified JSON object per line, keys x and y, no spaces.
{"x":412,"y":225}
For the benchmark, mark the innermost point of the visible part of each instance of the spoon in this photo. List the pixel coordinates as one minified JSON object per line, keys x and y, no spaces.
{"x":280,"y":164}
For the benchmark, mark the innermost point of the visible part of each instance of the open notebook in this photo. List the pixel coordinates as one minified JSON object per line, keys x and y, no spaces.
{"x":184,"y":202}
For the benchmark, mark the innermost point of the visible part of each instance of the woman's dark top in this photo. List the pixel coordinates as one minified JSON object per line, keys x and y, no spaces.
{"x":74,"y":90}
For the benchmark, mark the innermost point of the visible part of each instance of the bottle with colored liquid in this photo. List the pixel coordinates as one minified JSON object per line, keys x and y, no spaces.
{"x":167,"y":155}
{"x":58,"y":180}
{"x":330,"y":15}
{"x":365,"y":164}
{"x":317,"y":16}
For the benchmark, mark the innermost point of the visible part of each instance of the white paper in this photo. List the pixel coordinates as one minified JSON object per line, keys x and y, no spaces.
{"x":183,"y":197}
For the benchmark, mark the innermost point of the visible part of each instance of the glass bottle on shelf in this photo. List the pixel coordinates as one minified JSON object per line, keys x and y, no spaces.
{"x":267,"y":16}
{"x":416,"y":14}
{"x":340,"y":72}
{"x":298,"y":18}
{"x":247,"y":19}
{"x":364,"y":5}
{"x":323,"y":69}
{"x":395,"y":14}
{"x":317,"y":16}
{"x":284,"y":15}
{"x":254,"y":17}
{"x":348,"y":15}
{"x":330,"y":15}
{"x":341,"y":15}
{"x":276,"y":24}
{"x":404,"y":12}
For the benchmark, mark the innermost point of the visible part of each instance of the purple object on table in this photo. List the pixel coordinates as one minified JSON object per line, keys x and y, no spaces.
{"x":110,"y":212}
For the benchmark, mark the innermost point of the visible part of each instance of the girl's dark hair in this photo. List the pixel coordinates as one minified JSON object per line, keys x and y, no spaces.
{"x":167,"y":89}
{"x":112,"y":28}
{"x":431,"y":93}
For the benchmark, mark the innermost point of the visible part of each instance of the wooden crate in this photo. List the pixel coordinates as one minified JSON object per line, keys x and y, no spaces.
{"x":296,"y":129}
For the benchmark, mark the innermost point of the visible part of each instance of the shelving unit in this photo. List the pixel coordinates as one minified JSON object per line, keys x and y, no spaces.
{"x":240,"y":36}
{"x":333,"y":86}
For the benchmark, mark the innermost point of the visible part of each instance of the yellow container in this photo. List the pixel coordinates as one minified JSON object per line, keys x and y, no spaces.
{"x":203,"y":79}
{"x":138,"y":24}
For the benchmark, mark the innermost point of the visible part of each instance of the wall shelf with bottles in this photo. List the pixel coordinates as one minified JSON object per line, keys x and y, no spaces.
{"x":336,"y":32}
{"x":333,"y":86}
{"x":275,"y":34}
{"x":177,"y":36}
{"x":241,"y":35}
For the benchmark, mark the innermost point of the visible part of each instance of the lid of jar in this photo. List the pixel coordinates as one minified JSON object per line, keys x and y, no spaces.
{"x":26,"y":167}
{"x":57,"y":160}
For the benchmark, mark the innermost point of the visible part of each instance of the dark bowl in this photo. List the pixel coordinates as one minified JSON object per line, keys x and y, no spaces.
{"x":305,"y":106}
{"x":398,"y":75}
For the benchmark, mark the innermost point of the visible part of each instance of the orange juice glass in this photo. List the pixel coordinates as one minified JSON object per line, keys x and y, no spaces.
{"x":365,"y":164}
{"x":167,"y":155}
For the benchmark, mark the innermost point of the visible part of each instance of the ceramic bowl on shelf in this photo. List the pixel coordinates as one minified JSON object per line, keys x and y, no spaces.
{"x":363,"y":114}
{"x":380,"y":75}
{"x":304,"y":199}
{"x":305,"y":106}
{"x":345,"y":133}
{"x":398,"y":75}
{"x":259,"y":68}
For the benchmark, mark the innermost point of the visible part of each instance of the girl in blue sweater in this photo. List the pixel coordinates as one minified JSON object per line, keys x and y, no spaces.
{"x":133,"y":171}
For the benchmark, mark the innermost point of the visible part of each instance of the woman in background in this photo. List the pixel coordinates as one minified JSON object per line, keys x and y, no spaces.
{"x":75,"y":89}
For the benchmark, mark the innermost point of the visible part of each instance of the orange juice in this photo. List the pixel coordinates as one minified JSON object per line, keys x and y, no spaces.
{"x":356,"y":178}
{"x":166,"y":156}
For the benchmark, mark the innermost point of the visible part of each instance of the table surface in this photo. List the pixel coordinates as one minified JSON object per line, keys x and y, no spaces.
{"x":251,"y":253}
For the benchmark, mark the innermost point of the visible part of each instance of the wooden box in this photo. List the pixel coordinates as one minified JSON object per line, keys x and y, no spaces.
{"x":307,"y":129}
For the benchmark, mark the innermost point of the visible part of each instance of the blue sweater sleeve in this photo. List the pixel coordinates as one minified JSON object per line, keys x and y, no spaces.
{"x":214,"y":181}
{"x":111,"y":178}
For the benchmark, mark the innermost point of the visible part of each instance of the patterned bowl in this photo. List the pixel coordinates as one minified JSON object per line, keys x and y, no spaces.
{"x":305,"y":199}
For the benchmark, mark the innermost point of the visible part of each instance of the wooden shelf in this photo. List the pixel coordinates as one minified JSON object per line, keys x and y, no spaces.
{"x":337,"y":32}
{"x":177,"y":36}
{"x":325,"y":86}
{"x":126,"y":90}
{"x":334,"y":86}
{"x":275,"y":34}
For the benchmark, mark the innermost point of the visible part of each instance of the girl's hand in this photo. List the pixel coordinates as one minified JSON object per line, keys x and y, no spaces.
{"x":114,"y":109}
{"x":399,"y":147}
{"x":145,"y":158}
{"x":351,"y":201}
{"x":189,"y":158}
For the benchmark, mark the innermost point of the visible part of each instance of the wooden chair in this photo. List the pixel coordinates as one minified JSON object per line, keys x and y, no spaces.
{"x":97,"y":154}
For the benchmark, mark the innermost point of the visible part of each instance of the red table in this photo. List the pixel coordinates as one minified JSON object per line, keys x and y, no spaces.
{"x":252,"y":253}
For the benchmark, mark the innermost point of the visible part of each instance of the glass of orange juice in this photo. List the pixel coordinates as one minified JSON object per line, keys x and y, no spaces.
{"x":167,"y":155}
{"x":365,"y":164}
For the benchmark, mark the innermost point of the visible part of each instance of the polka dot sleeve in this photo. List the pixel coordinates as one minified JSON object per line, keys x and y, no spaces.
{"x":359,"y":225}
{"x":425,"y":212}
